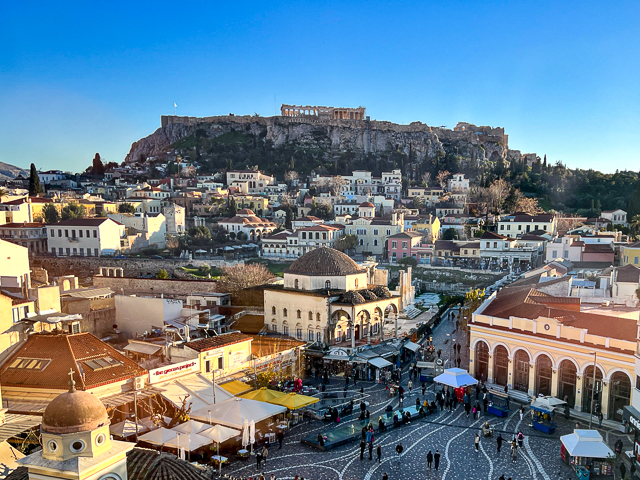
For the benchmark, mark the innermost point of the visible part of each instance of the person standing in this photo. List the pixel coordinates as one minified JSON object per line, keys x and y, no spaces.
{"x":436,"y":460}
{"x":258,"y":460}
{"x":399,"y":449}
{"x":521,"y":412}
{"x":499,"y":442}
{"x":379,"y":452}
{"x":514,"y":451}
{"x":429,"y":459}
{"x":371,"y":450}
{"x":424,"y":388}
{"x":280,"y":437}
{"x":265,"y":454}
{"x":363,"y":445}
{"x":385,"y":476}
{"x":520,"y":438}
{"x":410,"y":385}
{"x":476,"y":441}
{"x":467,"y":408}
{"x":477,"y":410}
{"x":600,"y":417}
{"x":623,"y":469}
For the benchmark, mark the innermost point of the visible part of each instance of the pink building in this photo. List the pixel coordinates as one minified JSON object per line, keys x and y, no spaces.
{"x":403,"y":245}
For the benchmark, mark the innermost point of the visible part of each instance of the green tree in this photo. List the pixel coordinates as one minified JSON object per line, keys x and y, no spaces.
{"x":288,"y":219}
{"x":172,"y":169}
{"x":97,"y":168}
{"x":34,"y":182}
{"x":634,"y":204}
{"x":162,"y":274}
{"x":73,"y":210}
{"x":50,"y":213}
{"x":408,"y":262}
{"x":232,"y":209}
{"x":126,"y":208}
{"x":346,"y":243}
{"x":450,"y":234}
{"x":321,"y":210}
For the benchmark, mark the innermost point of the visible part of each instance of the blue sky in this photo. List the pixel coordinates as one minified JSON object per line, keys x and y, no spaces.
{"x":83,"y":77}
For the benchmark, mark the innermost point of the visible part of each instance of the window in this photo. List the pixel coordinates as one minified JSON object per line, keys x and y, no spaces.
{"x":59,"y":232}
{"x":327,"y":284}
{"x":310,"y":315}
{"x":299,"y":333}
{"x":95,"y":252}
{"x":274,"y":328}
{"x":30,"y":363}
{"x":59,"y":250}
{"x":304,"y":235}
{"x":495,"y":244}
{"x":324,"y":235}
{"x":81,"y":251}
{"x":95,"y":234}
{"x":284,"y":312}
{"x":52,"y":233}
{"x":80,"y":233}
{"x":318,"y":336}
{"x":388,"y":232}
{"x":375,"y":231}
{"x":102,"y":363}
{"x":404,"y":254}
{"x":273,"y":310}
{"x":310,"y":335}
{"x":285,"y":330}
{"x":375,"y":242}
{"x":361,"y":242}
{"x":635,"y":260}
{"x":393,"y":256}
{"x":296,"y":284}
{"x":356,"y":283}
{"x":404,"y":245}
{"x":317,"y":317}
{"x":88,"y":233}
{"x":66,"y":233}
{"x":68,"y":251}
{"x":501,"y":227}
{"x":394,"y":244}
{"x":298,"y":314}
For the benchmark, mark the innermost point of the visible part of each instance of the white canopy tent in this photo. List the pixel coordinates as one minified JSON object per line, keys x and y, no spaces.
{"x":161,"y":436}
{"x":456,"y":378}
{"x":127,"y":428}
{"x":220,"y":434}
{"x":414,"y":347}
{"x":188,"y":441}
{"x":192,"y":426}
{"x":234,"y":411}
{"x":586,"y":443}
{"x":379,"y":362}
{"x":199,"y":389}
{"x":547,"y":403}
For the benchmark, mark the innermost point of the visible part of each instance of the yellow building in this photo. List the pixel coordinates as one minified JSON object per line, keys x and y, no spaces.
{"x":251,"y":202}
{"x":539,"y":343}
{"x":226,"y":354}
{"x":631,"y":254}
{"x":430,"y":226}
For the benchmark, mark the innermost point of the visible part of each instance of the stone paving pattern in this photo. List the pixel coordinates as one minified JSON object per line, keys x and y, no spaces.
{"x":452,"y":433}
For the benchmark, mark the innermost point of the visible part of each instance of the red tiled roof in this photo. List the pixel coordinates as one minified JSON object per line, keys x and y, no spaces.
{"x":493,"y":236}
{"x":23,"y":225}
{"x":205,"y":344}
{"x":85,"y":222}
{"x":597,"y":248}
{"x":68,"y":352}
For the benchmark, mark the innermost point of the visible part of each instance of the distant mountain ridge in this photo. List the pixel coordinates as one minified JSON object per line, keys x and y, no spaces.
{"x":9,"y":172}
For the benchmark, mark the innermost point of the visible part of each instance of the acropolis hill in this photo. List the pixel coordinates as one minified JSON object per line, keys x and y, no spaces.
{"x":330,"y":131}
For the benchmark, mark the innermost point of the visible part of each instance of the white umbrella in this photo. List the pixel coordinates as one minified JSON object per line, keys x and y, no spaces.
{"x":252,"y":433}
{"x":245,"y":433}
{"x":219,"y":434}
{"x":160,"y":436}
{"x":189,"y":441}
{"x":192,"y":426}
{"x":126,"y":429}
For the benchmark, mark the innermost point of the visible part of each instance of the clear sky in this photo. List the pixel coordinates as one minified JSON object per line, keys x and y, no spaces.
{"x":562,"y":77}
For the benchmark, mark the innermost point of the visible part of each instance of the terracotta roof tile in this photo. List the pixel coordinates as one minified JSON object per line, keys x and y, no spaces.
{"x":205,"y":344}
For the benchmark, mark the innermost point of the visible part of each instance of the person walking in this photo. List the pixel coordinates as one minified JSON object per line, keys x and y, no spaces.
{"x":623,"y":469}
{"x":520,"y":438}
{"x":514,"y":451}
{"x":600,"y":417}
{"x":379,"y":452}
{"x":280,"y":437}
{"x":436,"y":460}
{"x":371,"y":450}
{"x":467,"y":408}
{"x":258,"y":460}
{"x":476,"y":440}
{"x":521,"y":412}
{"x":499,"y":441}
{"x":385,"y":476}
{"x":477,"y":410}
{"x":399,"y":449}
{"x":363,"y":445}
{"x":265,"y":454}
{"x":424,"y":388}
{"x":410,"y":385}
{"x":429,"y":459}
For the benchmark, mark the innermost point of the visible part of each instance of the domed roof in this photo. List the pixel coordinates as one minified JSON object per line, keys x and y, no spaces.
{"x":368,"y":295}
{"x":367,"y":204}
{"x":324,"y":261}
{"x":351,"y":298}
{"x":74,"y":411}
{"x":381,"y":291}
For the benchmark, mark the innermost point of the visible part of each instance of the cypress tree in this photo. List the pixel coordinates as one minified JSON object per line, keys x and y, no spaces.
{"x":34,"y":182}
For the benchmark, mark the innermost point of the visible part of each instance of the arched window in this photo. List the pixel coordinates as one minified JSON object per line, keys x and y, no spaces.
{"x":327,"y":284}
{"x":310,"y":315}
{"x":299,"y":314}
{"x":317,"y":317}
{"x":296,"y":284}
{"x":273,"y":310}
{"x":284,"y":312}
{"x":356,"y":283}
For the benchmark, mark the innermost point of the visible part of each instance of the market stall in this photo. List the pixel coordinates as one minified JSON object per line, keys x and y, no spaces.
{"x":455,"y":378}
{"x":543,"y":413}
{"x":587,"y":453}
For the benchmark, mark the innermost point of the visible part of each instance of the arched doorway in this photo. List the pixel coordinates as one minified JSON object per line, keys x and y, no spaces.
{"x":544,"y":374}
{"x":619,"y":395}
{"x":501,"y":365}
{"x":482,"y":361}
{"x":521,"y":371}
{"x":357,"y":331}
{"x":588,"y":390}
{"x":567,"y":382}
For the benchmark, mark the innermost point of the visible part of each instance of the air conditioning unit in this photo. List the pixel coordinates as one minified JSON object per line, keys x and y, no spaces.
{"x":139,"y":383}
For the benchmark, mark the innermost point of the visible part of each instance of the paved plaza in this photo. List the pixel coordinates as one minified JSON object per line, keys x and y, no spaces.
{"x":452,"y":433}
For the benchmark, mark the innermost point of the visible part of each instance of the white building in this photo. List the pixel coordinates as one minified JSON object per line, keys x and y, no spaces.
{"x":499,"y":251}
{"x":458,"y":183}
{"x":249,"y":181}
{"x":288,"y":245}
{"x":175,"y":218}
{"x":85,"y":237}
{"x":617,"y":217}
{"x":521,"y":223}
{"x":142,"y":230}
{"x":14,"y":265}
{"x":246,"y":222}
{"x":151,"y":192}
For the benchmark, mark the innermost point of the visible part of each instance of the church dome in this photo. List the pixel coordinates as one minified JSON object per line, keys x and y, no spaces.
{"x":324,"y":261}
{"x":74,"y":411}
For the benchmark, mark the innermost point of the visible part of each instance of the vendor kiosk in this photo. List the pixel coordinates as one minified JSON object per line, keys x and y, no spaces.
{"x":587,"y":453}
{"x":498,"y":405}
{"x":543,"y":411}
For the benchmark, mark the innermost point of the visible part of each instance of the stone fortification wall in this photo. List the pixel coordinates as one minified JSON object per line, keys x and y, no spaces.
{"x":173,"y":288}
{"x":131,"y":267}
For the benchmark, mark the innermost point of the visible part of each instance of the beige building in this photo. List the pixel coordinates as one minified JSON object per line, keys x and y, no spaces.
{"x":14,"y":266}
{"x":542,"y":343}
{"x":328,"y":298}
{"x":226,"y":354}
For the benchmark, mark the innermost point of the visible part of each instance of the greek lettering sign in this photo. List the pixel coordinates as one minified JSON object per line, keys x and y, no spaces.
{"x":176,"y":370}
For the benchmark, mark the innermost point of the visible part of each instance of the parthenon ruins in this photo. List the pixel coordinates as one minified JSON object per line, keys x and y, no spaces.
{"x":332,"y":113}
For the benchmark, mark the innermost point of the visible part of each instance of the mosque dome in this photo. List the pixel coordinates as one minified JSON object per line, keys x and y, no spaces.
{"x":324,"y":261}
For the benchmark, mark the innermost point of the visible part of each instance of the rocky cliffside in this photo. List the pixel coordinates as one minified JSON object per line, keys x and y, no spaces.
{"x":8,"y":172}
{"x":418,"y":141}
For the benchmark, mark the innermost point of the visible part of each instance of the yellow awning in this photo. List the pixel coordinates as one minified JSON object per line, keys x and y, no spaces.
{"x":263,"y":395}
{"x":236,"y":387}
{"x":293,"y":401}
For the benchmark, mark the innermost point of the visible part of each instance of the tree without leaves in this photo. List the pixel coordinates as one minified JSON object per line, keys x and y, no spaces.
{"x":291,"y":176}
{"x":73,"y":210}
{"x":426,"y":178}
{"x":241,"y":276}
{"x":442,"y":177}
{"x":34,"y":182}
{"x":50,"y":213}
{"x":346,"y":243}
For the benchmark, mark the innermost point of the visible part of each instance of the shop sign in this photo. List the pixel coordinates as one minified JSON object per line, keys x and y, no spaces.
{"x":634,"y":421}
{"x":176,"y":370}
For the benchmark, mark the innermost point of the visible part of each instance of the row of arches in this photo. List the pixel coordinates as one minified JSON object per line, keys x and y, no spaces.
{"x":570,"y":380}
